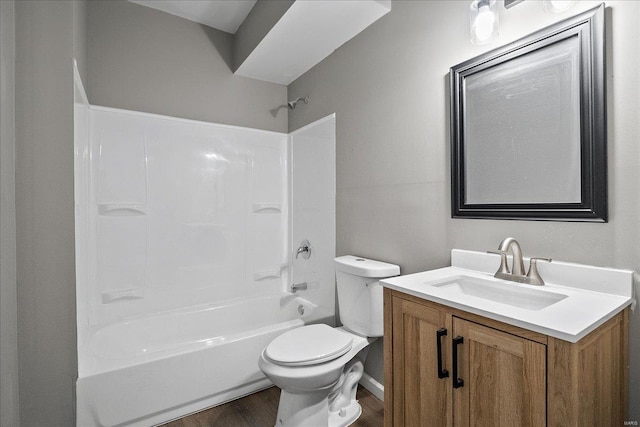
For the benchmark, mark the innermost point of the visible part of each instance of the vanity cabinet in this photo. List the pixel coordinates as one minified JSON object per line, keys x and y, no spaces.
{"x":505,"y":377}
{"x":448,"y":367}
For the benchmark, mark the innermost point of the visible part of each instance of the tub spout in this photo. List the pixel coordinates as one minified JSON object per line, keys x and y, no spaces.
{"x":299,"y":287}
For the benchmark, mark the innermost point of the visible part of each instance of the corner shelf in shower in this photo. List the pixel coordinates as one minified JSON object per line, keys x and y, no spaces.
{"x":263,"y":275}
{"x":267,"y":208}
{"x":121,"y":209}
{"x":107,"y":297}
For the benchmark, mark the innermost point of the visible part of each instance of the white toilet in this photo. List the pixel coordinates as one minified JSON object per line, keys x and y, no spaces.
{"x":318,"y":367}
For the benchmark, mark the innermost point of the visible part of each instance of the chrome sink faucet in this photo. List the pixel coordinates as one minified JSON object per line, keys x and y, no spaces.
{"x":516,"y":274}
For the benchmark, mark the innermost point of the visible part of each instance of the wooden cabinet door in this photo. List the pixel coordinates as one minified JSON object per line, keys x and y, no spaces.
{"x":420,"y":397}
{"x":503,"y":375}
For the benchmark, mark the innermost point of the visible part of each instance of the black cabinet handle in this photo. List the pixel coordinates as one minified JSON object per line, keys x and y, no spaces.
{"x":442,"y":332}
{"x":457,"y":382}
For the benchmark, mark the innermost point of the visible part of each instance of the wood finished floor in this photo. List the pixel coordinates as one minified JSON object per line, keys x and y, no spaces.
{"x":259,"y":410}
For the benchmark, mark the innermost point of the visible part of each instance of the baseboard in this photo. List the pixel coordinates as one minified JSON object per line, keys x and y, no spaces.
{"x":368,"y":382}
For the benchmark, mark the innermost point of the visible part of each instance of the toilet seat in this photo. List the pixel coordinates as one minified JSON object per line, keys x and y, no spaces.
{"x":309,"y":345}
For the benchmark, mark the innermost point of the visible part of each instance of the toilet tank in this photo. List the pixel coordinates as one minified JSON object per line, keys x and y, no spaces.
{"x":360,"y":293}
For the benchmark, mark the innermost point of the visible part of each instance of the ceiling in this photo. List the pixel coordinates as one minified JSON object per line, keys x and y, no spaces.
{"x":225,"y":15}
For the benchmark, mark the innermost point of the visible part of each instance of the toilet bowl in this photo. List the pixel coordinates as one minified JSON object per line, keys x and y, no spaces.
{"x":304,"y":400}
{"x":318,"y":367}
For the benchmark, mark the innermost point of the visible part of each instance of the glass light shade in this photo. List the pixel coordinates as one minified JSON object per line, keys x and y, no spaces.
{"x":483,"y":19}
{"x":557,"y":6}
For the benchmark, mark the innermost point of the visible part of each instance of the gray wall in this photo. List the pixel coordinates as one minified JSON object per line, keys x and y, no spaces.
{"x":146,"y":60}
{"x":9,"y":408}
{"x":45,"y":212}
{"x":80,"y":37}
{"x":389,"y":89}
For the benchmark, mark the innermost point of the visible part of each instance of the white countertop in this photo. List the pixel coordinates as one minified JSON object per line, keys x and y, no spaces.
{"x":594,"y":294}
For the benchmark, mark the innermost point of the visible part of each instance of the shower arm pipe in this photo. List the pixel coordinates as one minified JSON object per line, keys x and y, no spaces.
{"x":292,"y":104}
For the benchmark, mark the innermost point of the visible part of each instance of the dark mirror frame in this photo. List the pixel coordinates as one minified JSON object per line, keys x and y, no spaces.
{"x":589,"y":27}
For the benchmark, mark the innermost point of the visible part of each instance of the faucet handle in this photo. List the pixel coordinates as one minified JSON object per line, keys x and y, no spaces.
{"x":304,"y":249}
{"x":532,"y":274}
{"x":504,"y":267}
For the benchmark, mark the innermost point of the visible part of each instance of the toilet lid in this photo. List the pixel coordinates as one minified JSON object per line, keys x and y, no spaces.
{"x":308,"y":345}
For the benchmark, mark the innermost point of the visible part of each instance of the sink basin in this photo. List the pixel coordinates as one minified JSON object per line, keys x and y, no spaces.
{"x":499,"y":291}
{"x":576,"y":300}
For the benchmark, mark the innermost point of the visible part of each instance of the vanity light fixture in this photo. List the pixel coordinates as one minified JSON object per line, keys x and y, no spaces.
{"x":557,"y":6}
{"x":483,"y":16}
{"x":510,"y":3}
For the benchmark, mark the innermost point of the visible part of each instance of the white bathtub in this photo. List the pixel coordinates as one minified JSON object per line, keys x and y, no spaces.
{"x":151,"y":370}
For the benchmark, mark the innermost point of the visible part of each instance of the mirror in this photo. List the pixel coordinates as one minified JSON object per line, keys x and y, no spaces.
{"x":528,"y":127}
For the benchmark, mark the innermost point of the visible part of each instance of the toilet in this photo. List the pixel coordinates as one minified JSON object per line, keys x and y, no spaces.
{"x":318,"y":367}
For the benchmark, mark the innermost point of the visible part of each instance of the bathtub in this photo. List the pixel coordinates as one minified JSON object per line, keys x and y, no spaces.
{"x":151,"y":370}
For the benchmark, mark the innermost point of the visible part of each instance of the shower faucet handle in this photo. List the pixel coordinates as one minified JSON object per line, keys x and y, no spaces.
{"x":304,"y":249}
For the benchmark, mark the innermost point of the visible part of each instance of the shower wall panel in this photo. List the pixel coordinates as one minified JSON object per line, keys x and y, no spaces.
{"x":313,"y":200}
{"x":182,"y":213}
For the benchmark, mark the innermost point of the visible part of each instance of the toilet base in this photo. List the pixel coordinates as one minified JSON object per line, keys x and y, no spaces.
{"x":335,"y":406}
{"x":346,"y":416}
{"x":312,"y":410}
{"x":303,"y":409}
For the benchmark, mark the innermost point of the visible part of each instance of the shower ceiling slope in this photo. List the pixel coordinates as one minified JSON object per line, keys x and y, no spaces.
{"x":224,"y":15}
{"x":307,"y":32}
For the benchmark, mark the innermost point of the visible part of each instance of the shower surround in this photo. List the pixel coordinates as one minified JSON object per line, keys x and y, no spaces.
{"x":184,"y":236}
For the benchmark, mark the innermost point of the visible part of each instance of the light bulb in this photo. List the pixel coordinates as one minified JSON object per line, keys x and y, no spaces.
{"x":556,"y":6}
{"x":484,"y":21}
{"x":484,"y":24}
